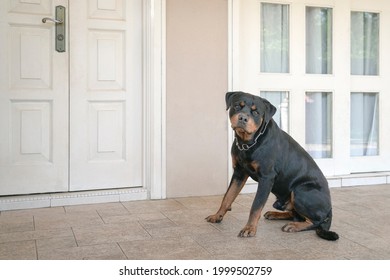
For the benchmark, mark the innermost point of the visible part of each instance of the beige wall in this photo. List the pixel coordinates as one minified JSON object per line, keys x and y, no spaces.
{"x":197,"y":64}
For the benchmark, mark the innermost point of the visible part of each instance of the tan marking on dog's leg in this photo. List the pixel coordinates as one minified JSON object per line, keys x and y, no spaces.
{"x":290,"y":204}
{"x":285,"y":215}
{"x":274,"y":215}
{"x":231,"y":194}
{"x":296,"y":226}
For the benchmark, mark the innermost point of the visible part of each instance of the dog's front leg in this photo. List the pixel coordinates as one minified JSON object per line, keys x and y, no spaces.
{"x":263,"y":191}
{"x":236,"y":185}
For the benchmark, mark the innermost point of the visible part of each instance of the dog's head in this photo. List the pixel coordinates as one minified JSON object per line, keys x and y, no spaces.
{"x":247,"y":113}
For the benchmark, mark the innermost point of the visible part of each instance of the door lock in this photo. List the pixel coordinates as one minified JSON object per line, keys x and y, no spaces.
{"x":60,"y":28}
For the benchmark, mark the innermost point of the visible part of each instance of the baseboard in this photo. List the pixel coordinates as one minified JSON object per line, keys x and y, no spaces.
{"x":71,"y":198}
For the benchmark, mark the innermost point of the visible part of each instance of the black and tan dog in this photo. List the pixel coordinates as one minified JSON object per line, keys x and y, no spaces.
{"x":280,"y":165}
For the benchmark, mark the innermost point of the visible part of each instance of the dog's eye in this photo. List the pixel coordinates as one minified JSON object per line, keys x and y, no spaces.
{"x":255,"y":113}
{"x":237,"y":107}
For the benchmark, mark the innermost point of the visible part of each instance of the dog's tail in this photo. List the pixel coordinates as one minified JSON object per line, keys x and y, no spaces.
{"x":323,"y":229}
{"x":327,"y":234}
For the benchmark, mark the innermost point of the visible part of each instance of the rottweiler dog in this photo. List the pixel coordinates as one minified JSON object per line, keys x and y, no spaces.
{"x":280,"y":165}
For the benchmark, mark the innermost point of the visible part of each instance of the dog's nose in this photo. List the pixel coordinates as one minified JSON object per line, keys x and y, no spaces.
{"x":243,"y":118}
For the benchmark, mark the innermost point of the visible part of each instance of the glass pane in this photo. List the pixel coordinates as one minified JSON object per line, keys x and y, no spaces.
{"x":280,"y":100}
{"x":364,"y":124}
{"x":319,"y":124}
{"x":274,"y":50}
{"x":318,"y":40}
{"x":364,"y":43}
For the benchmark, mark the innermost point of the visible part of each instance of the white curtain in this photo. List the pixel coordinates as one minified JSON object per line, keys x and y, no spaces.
{"x":318,"y":40}
{"x":364,"y":43}
{"x":274,"y":53}
{"x":364,"y":105}
{"x":364,"y":124}
{"x":280,"y":100}
{"x":319,"y":124}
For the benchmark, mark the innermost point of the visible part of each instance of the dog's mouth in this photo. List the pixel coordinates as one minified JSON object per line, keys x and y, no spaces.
{"x":243,"y":133}
{"x":240,"y":130}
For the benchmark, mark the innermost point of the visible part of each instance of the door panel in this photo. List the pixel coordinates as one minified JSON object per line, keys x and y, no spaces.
{"x":106,"y":100}
{"x":33,"y":101}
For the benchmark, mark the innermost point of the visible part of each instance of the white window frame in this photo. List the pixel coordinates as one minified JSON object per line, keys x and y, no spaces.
{"x":340,"y":83}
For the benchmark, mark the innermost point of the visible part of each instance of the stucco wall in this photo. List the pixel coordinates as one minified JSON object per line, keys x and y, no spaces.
{"x":197,"y":63}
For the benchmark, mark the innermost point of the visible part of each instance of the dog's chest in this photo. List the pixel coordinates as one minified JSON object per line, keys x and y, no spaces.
{"x":251,"y":166}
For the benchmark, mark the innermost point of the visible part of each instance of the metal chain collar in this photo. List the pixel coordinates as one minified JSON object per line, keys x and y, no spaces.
{"x":246,"y":147}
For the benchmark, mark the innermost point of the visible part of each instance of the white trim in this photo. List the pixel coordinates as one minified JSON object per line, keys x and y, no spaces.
{"x":232,"y":69}
{"x":154,"y":99}
{"x":71,"y":198}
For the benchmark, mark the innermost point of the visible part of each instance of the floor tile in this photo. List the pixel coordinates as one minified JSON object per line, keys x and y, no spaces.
{"x":152,"y":206}
{"x":162,"y":223}
{"x":35,"y":235}
{"x":33,"y":212}
{"x":15,"y":224}
{"x":120,"y":219}
{"x":18,"y":250}
{"x":109,"y":251}
{"x":68,"y":220}
{"x":184,"y":217}
{"x":56,"y":243}
{"x":108,"y":233}
{"x":197,"y":203}
{"x":185,"y":230}
{"x":168,"y":248}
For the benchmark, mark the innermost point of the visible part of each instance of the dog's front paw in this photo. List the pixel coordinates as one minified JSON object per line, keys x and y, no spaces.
{"x":248,"y":231}
{"x":216,"y":218}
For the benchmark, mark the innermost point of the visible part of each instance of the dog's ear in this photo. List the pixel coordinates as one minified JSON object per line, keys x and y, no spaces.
{"x":270,"y":110}
{"x":229,"y":98}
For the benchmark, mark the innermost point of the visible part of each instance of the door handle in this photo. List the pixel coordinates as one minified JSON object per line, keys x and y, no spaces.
{"x":52,"y":20}
{"x":60,"y":28}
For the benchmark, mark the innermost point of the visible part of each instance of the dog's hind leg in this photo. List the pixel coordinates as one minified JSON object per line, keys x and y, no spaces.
{"x":275,"y":215}
{"x":287,"y":209}
{"x":312,"y":203}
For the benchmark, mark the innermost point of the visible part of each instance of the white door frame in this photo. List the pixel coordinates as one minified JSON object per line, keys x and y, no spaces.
{"x":154,"y":99}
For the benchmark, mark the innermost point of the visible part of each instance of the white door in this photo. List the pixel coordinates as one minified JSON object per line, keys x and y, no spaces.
{"x":105,"y":94}
{"x":70,"y":120}
{"x":305,"y":57}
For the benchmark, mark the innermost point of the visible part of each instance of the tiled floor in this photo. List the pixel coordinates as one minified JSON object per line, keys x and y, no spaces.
{"x":176,"y":229}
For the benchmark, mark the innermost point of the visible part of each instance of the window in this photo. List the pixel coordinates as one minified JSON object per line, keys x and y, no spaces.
{"x":322,"y":64}
{"x":364,"y":43}
{"x":319,"y":124}
{"x":318,"y":40}
{"x":364,"y":124}
{"x":280,"y":100}
{"x":274,"y":52}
